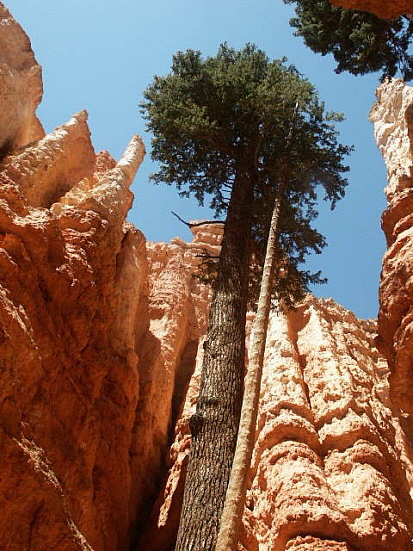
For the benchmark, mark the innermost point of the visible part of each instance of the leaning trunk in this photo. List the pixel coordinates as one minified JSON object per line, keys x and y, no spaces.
{"x":214,"y":425}
{"x":235,"y":498}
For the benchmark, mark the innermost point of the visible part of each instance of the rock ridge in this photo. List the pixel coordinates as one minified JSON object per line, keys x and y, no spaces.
{"x":392,"y":117}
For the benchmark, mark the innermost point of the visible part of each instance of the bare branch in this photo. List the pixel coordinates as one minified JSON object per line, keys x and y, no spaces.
{"x":196,"y":224}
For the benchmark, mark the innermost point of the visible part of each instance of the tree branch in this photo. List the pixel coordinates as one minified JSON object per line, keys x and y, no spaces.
{"x":196,"y":224}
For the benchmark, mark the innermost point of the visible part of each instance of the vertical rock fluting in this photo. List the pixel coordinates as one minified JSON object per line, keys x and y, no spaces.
{"x":393,"y":119}
{"x":100,"y":334}
{"x":331,"y":469}
{"x":168,"y":272}
{"x":177,"y":315}
{"x":329,"y":458}
{"x":94,"y":341}
{"x":96,"y":345}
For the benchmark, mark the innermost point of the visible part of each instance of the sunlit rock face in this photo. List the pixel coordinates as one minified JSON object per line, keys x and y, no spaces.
{"x":392,"y":117}
{"x":329,"y":456}
{"x":94,"y":343}
{"x":331,"y":468}
{"x":98,"y":336}
{"x":98,"y":329}
{"x":20,"y":86}
{"x":386,"y":10}
{"x":72,"y":282}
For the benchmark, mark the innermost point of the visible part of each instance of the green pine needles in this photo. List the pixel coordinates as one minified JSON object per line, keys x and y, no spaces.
{"x":218,"y":118}
{"x":359,"y":41}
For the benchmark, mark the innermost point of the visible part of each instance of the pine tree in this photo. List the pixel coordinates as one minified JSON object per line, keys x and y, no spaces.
{"x":360,"y":41}
{"x":220,"y":125}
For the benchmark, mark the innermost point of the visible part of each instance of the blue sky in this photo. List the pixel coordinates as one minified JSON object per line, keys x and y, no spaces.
{"x":101,"y":55}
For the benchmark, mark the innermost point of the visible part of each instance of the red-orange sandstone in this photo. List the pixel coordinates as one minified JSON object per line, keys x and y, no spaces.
{"x":100,"y":349}
{"x":330,"y":459}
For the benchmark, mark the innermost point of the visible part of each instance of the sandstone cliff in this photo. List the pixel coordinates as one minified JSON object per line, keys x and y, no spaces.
{"x":96,"y":332}
{"x":20,"y":86}
{"x":393,"y":120}
{"x":331,"y":468}
{"x":100,"y":349}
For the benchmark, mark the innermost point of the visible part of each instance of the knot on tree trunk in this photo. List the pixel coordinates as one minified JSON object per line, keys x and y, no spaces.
{"x":195,"y":423}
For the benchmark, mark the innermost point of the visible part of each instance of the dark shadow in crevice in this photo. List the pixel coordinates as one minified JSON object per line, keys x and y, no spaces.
{"x":183,"y":376}
{"x":149,"y":536}
{"x":5,"y":149}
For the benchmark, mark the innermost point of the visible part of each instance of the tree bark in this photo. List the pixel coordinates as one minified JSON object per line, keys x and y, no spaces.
{"x":215,"y":424}
{"x":234,"y":502}
{"x":228,"y":536}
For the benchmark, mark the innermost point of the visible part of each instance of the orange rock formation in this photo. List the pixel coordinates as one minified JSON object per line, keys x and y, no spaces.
{"x":388,"y":9}
{"x":21,"y":86}
{"x":392,"y":116}
{"x":100,"y":348}
{"x":331,"y":468}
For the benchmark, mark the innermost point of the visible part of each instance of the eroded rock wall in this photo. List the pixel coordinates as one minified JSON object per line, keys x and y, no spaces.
{"x":98,"y":329}
{"x":392,"y":116}
{"x":99,"y":332}
{"x":21,"y":86}
{"x":330,"y":454}
{"x":101,"y":347}
{"x":68,"y":379}
{"x":331,"y":467}
{"x":177,"y":307}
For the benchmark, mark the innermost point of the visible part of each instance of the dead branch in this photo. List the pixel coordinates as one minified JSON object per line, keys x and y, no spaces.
{"x":196,"y":224}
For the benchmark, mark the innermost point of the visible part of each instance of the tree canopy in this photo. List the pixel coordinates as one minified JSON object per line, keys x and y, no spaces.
{"x":212,"y":117}
{"x":360,"y":41}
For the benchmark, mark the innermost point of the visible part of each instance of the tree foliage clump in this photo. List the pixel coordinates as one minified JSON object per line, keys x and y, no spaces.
{"x":215,"y":118}
{"x":360,"y":41}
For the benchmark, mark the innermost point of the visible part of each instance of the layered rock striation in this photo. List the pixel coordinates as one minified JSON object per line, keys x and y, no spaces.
{"x":330,"y":457}
{"x":96,"y":342}
{"x":68,"y":378}
{"x":331,"y":467}
{"x":97,"y":329}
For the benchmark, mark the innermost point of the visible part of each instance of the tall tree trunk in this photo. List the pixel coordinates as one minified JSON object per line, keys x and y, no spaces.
{"x":235,"y":498}
{"x":234,"y":502}
{"x":214,"y":426}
